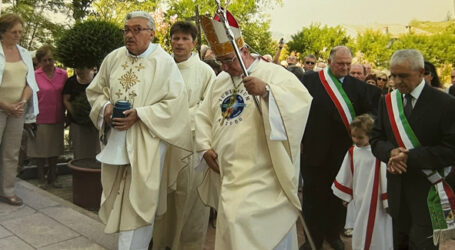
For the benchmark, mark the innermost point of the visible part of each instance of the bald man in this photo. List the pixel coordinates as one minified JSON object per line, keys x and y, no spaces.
{"x":327,"y":139}
{"x":358,"y":71}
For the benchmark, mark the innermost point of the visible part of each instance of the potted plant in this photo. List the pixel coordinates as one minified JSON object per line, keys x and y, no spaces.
{"x":84,"y":46}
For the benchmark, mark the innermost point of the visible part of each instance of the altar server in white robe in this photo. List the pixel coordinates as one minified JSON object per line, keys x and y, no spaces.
{"x":362,"y":182}
{"x":184,"y":225}
{"x":143,"y":74}
{"x":255,"y":149}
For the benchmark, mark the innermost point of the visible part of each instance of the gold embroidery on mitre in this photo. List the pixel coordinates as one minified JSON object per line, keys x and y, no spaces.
{"x":220,"y":49}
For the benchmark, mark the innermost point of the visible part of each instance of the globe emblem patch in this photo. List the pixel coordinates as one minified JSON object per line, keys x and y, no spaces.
{"x":232,"y":108}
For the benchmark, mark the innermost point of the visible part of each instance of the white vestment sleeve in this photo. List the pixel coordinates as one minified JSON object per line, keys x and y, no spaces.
{"x":101,"y":116}
{"x":342,"y":185}
{"x":277,"y":132}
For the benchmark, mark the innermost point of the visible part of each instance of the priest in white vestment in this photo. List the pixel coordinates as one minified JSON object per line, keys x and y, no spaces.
{"x":143,"y":74}
{"x":184,"y":225}
{"x":256,"y":149}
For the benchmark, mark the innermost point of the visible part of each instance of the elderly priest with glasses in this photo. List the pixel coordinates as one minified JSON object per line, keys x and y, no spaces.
{"x":144,"y":76}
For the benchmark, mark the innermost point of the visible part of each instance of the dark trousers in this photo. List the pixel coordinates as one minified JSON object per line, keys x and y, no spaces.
{"x":413,"y":228}
{"x":323,"y":212}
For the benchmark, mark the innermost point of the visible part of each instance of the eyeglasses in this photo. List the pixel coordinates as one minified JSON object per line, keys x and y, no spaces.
{"x":308,"y":62}
{"x":382,"y":79}
{"x":134,"y":31}
{"x":226,"y":61}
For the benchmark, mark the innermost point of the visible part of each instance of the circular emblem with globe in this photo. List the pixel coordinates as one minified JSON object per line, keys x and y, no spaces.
{"x":233,"y":109}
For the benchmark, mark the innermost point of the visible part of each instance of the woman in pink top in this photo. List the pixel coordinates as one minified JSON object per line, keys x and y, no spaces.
{"x":48,"y":142}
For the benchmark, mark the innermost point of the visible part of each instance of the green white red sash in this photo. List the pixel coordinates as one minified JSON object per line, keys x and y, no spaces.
{"x":336,"y":92}
{"x":441,"y":198}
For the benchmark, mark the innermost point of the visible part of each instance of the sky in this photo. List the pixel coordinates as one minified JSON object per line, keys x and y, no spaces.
{"x":295,"y":14}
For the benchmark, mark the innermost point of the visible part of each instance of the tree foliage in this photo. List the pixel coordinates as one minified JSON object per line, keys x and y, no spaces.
{"x":87,"y":43}
{"x":115,"y":11}
{"x":374,"y":47}
{"x":37,"y":14}
{"x":318,"y":40}
{"x":248,"y":13}
{"x":80,"y":9}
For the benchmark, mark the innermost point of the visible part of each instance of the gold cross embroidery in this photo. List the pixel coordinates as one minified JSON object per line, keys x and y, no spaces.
{"x":132,"y":94}
{"x":133,"y":59}
{"x":128,"y":80}
{"x":139,"y":67}
{"x":125,"y":65}
{"x":118,"y":94}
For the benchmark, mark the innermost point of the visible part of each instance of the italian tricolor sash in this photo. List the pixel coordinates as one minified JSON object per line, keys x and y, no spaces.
{"x":440,"y":199}
{"x":336,"y":92}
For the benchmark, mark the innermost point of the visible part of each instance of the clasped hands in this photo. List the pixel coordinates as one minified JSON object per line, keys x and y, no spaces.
{"x":120,"y":123}
{"x":16,"y":109}
{"x":398,"y":161}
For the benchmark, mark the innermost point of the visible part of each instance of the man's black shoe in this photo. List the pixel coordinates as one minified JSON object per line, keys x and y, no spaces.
{"x":337,"y":244}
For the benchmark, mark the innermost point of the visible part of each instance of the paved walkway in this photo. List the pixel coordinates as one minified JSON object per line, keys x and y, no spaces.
{"x":48,"y":222}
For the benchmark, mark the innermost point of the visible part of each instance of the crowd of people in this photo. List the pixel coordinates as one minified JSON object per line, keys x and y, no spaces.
{"x":35,"y":96}
{"x":235,"y":131}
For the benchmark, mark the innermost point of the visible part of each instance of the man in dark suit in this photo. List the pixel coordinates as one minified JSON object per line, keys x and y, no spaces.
{"x":430,"y":114}
{"x":325,"y":143}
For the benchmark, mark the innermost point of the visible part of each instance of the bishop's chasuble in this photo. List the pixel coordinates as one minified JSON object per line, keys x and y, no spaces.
{"x":184,"y":225}
{"x":154,"y":86}
{"x":258,"y":203}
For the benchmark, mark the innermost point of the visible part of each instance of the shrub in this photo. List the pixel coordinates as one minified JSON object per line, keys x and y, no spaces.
{"x":87,"y":43}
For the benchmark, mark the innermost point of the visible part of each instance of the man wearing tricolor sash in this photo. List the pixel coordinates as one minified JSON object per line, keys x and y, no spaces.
{"x":415,"y":134}
{"x":338,"y":98}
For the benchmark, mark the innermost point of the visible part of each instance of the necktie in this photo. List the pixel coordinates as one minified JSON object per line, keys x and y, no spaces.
{"x":408,"y":105}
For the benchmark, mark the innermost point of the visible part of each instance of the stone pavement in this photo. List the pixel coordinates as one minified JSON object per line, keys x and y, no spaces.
{"x":48,"y":222}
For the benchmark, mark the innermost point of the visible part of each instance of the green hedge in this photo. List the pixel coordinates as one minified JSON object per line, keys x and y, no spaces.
{"x":87,"y":43}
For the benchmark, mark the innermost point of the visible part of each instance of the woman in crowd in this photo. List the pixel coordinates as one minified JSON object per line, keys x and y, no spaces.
{"x":382,"y":81}
{"x":84,"y":135}
{"x":48,"y":142}
{"x":371,"y":79}
{"x":431,"y":76}
{"x":17,"y":85}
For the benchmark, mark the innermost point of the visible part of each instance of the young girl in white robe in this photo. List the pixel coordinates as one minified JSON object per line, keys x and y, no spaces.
{"x":361,"y":181}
